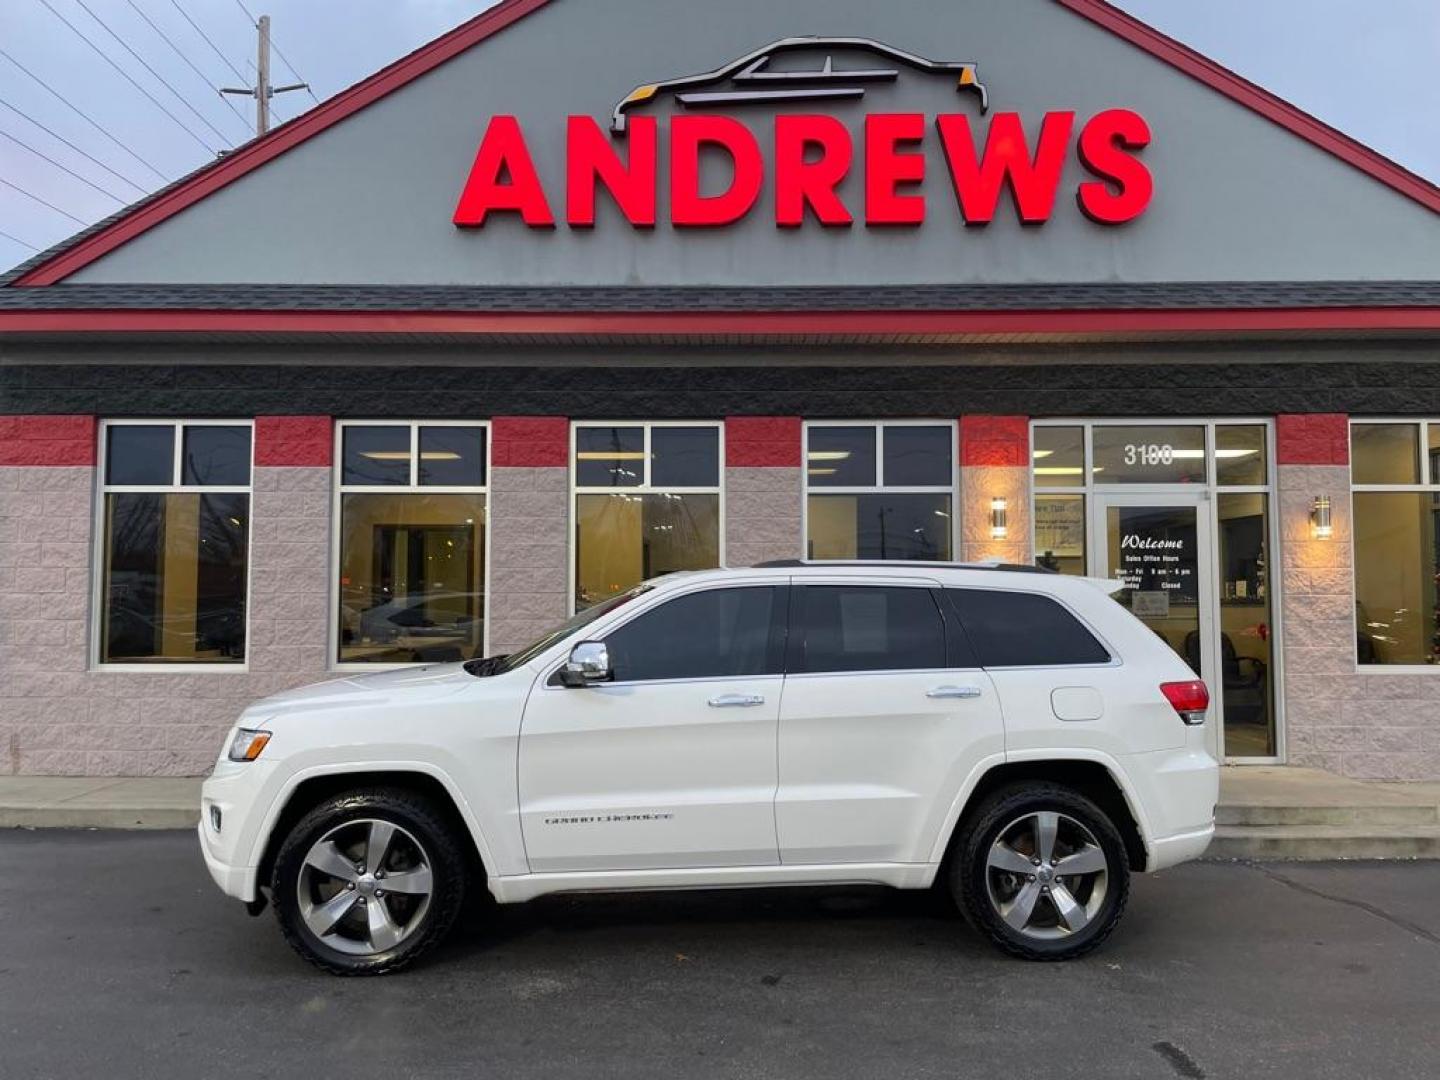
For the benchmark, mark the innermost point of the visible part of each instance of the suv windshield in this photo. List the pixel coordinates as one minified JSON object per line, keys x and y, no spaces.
{"x":496,"y":665}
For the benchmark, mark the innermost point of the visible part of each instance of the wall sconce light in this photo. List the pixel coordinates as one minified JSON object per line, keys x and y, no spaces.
{"x":998,"y":528}
{"x":1320,"y":527}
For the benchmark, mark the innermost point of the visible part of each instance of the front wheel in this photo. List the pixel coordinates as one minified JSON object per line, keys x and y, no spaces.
{"x":368,"y":881}
{"x":1042,"y":872}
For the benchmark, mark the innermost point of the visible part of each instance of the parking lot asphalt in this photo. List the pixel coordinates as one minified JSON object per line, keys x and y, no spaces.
{"x":119,"y":958}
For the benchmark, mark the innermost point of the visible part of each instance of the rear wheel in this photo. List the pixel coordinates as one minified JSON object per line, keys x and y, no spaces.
{"x":1042,"y":872}
{"x":368,"y":881}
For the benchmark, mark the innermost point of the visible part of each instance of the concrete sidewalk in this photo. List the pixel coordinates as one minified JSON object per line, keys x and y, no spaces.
{"x":102,"y":802}
{"x":1264,"y":812}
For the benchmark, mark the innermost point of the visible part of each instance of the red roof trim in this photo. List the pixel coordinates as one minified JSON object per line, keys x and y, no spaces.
{"x":1262,"y":101}
{"x":1186,"y":320}
{"x":252,"y":155}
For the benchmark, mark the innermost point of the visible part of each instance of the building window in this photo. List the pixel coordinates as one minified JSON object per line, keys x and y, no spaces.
{"x":880,"y":491}
{"x":647,"y":502}
{"x":1057,"y":468}
{"x":411,"y":537}
{"x":1395,"y":470}
{"x":175,"y":539}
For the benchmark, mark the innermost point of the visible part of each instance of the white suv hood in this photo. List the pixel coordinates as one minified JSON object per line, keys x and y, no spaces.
{"x":410,"y":685}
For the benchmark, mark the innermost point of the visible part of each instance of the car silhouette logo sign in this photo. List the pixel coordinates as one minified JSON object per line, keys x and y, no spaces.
{"x":648,"y":164}
{"x":752,"y":80}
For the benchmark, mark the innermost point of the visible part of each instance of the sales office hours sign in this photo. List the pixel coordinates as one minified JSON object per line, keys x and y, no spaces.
{"x":991,"y":161}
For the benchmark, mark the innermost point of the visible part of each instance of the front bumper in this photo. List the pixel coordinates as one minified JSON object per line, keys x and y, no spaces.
{"x":232,"y":853}
{"x":236,"y":881}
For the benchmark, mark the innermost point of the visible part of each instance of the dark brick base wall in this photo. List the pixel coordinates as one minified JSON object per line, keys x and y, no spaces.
{"x":693,"y":387}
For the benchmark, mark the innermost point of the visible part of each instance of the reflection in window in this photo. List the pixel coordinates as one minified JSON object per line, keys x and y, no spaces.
{"x":901,"y":510}
{"x":1240,"y":455}
{"x":1060,"y":533}
{"x":412,"y":558}
{"x":622,"y":539}
{"x":840,"y":456}
{"x":869,"y":628}
{"x":1058,"y":456}
{"x":667,"y":518}
{"x":412,"y":577}
{"x":879,"y":526}
{"x":1385,"y":453}
{"x":1397,"y":574}
{"x":174,"y":560}
{"x":719,"y":633}
{"x":1245,"y":624}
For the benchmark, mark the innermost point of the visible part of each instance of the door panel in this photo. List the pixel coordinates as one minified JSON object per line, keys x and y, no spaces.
{"x":672,"y":764}
{"x":866,"y":756}
{"x":649,"y":775}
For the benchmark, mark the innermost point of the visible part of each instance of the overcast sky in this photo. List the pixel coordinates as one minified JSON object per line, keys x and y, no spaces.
{"x":1369,"y":69}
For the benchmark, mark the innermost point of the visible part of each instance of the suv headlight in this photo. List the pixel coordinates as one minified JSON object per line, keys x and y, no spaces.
{"x":247,"y":744}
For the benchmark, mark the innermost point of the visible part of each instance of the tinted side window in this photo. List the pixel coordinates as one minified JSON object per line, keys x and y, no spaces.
{"x":702,"y":635}
{"x":1018,"y":629}
{"x":868,"y":628}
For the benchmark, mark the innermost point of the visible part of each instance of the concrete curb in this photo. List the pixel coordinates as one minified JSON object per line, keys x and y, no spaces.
{"x":75,"y":802}
{"x":96,"y":817}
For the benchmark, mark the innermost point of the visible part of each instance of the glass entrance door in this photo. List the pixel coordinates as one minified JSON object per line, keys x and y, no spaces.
{"x":1160,"y":546}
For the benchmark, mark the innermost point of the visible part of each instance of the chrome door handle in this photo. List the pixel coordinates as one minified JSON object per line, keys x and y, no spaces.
{"x":743,"y":701}
{"x":954,"y":692}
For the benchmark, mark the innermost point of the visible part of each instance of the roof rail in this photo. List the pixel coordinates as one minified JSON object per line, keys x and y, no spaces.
{"x":985,"y":564}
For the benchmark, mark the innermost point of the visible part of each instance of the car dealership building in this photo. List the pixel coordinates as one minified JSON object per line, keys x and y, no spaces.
{"x":583,"y":293}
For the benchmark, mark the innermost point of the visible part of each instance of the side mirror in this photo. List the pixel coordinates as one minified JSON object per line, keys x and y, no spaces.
{"x":589,"y":663}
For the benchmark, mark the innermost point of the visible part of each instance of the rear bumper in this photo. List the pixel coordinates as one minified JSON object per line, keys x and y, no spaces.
{"x":1173,"y":850}
{"x":1177,"y":791}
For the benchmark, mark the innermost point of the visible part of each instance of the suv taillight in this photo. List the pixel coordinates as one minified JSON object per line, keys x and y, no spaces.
{"x":1190,"y":699}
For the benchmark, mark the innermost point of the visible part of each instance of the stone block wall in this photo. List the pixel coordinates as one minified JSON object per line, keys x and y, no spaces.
{"x":529,"y":512}
{"x":995,"y":464}
{"x":764,"y":489}
{"x":59,"y":714}
{"x":1368,"y":724}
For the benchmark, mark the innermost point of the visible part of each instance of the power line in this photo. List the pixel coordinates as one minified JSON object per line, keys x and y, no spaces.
{"x":128,"y":78}
{"x":16,"y":239}
{"x":83,"y":116}
{"x":180,"y":53}
{"x":213,"y":47}
{"x":42,"y":202}
{"x":160,"y":78}
{"x":281,"y":55}
{"x":72,"y":146}
{"x":63,"y":168}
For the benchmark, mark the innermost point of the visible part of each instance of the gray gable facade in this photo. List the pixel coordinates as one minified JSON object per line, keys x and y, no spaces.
{"x":370,"y":200}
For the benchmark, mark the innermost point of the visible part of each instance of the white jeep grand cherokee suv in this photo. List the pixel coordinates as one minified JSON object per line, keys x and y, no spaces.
{"x":1015,"y":737}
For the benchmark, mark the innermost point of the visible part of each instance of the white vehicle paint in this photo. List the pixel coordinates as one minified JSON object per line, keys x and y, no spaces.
{"x":780,"y":766}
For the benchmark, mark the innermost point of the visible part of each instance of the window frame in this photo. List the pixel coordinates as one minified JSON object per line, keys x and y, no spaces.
{"x":339,"y":489}
{"x":175,"y":487}
{"x":643,"y":488}
{"x":1429,"y":485}
{"x":879,"y":426}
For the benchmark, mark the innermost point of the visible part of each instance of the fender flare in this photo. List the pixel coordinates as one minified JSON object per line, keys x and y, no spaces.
{"x":293,"y":781}
{"x":985,"y":765}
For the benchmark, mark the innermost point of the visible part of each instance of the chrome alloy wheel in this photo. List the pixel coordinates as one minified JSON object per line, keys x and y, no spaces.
{"x":365,"y":887}
{"x":1046,"y":875}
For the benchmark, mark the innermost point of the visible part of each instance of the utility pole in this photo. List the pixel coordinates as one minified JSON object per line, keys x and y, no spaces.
{"x":262,"y":91}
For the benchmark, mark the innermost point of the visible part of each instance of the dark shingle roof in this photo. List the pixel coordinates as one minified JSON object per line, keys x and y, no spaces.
{"x":1218,"y":295}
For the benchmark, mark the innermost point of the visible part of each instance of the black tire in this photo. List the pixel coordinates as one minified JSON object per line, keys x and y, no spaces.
{"x":440,"y":846}
{"x":971,"y":876}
